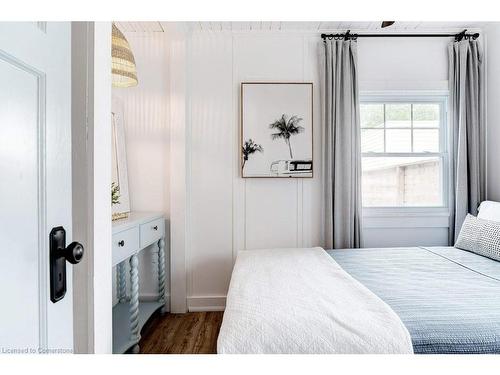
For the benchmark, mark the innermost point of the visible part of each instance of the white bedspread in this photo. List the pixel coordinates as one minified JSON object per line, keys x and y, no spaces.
{"x":301,"y":301}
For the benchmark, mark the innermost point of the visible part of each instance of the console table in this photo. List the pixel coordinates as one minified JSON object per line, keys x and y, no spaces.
{"x":130,"y":236}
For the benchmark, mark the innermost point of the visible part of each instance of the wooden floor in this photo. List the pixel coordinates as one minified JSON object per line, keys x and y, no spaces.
{"x":191,"y":333}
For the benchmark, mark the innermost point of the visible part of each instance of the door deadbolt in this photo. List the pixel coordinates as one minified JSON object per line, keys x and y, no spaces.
{"x":59,"y":254}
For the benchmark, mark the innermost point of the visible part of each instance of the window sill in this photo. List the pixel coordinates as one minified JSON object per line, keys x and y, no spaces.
{"x":405,"y":211}
{"x":406,"y":217}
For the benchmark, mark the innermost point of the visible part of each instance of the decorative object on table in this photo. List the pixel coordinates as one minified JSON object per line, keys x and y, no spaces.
{"x":276,"y":129}
{"x":115,"y":193}
{"x":120,"y":202}
{"x":123,"y":69}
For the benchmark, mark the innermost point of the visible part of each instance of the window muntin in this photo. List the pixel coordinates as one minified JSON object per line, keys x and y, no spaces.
{"x":403,"y":153}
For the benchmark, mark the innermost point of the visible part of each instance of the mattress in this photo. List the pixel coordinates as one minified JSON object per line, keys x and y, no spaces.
{"x":448,"y":299}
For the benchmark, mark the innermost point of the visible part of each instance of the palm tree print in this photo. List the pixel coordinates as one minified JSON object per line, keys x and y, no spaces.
{"x":249,"y":148}
{"x":285,"y":129}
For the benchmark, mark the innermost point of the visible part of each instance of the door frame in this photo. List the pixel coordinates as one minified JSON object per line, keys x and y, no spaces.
{"x":91,"y":178}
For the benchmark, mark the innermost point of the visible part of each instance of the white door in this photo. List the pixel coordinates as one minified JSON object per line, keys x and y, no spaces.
{"x":35,"y":183}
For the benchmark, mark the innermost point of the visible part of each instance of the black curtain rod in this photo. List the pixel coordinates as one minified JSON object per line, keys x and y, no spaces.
{"x":458,"y":37}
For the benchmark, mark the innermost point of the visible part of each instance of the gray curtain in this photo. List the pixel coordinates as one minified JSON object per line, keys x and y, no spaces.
{"x":467,"y":121}
{"x":341,"y":145}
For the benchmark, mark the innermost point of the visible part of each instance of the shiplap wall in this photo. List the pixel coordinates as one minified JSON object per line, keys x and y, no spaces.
{"x":226,"y":213}
{"x":147,"y":132}
{"x":493,"y":112}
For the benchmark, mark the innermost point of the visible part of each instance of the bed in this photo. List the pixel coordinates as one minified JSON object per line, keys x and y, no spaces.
{"x":444,"y":299}
{"x":423,"y":300}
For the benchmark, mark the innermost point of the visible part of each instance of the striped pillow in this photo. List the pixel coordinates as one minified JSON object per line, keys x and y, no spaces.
{"x":480,"y":236}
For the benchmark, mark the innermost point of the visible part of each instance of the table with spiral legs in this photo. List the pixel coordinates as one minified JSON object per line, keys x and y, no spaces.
{"x":131,"y":313}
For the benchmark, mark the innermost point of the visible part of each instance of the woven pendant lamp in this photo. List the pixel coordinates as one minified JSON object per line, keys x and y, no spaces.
{"x":123,"y":69}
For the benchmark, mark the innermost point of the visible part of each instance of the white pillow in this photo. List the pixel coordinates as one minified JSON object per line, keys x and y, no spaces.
{"x":489,"y":210}
{"x":480,"y":236}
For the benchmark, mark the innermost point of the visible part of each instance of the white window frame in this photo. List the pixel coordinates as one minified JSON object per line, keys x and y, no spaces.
{"x":441,"y":98}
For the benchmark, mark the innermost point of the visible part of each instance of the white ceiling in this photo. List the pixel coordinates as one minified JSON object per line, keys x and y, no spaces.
{"x":150,"y":26}
{"x":156,"y":26}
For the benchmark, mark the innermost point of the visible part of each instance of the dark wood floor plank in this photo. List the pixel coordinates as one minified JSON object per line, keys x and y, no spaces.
{"x":190,"y":333}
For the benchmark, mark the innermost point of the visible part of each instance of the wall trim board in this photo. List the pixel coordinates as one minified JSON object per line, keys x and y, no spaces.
{"x":206,"y":303}
{"x":178,"y":188}
{"x":189,"y":167}
{"x":238,"y":188}
{"x":300,"y":213}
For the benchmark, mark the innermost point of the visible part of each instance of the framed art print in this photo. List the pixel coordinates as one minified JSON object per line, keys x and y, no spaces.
{"x":276,"y":129}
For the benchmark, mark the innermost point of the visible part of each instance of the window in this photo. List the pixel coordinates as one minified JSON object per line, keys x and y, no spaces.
{"x":404,"y":159}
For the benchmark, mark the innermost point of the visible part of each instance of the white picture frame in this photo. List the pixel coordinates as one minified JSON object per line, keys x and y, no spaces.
{"x":119,"y":173}
{"x":276,"y":130}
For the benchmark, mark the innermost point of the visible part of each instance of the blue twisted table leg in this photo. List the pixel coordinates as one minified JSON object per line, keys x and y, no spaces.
{"x":121,"y":282}
{"x":134,"y":302}
{"x":161,"y":273}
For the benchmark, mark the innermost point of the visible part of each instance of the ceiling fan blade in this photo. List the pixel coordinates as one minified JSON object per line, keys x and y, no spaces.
{"x":387,"y":23}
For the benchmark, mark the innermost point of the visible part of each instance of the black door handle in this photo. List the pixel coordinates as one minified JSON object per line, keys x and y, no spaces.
{"x":59,"y":254}
{"x":73,"y":253}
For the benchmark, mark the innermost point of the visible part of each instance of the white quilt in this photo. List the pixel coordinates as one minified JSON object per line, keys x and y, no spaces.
{"x":302,"y":301}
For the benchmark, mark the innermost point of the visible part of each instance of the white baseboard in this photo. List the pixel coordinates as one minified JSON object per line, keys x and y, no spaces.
{"x":206,"y":303}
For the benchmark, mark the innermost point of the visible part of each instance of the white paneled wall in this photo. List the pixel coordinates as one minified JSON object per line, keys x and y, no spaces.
{"x":211,"y":167}
{"x":146,"y":122}
{"x":228,"y":213}
{"x":493,"y":112}
{"x":146,"y":108}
